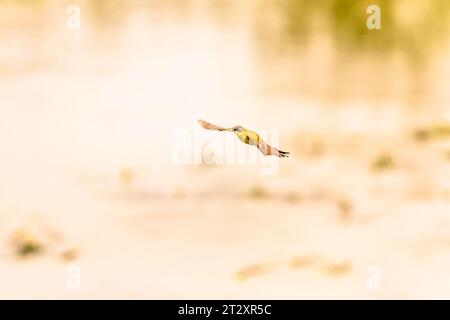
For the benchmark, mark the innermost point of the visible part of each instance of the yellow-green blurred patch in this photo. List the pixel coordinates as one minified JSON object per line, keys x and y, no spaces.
{"x":257,"y":192}
{"x":383,"y":161}
{"x":25,"y":243}
{"x":431,"y":133}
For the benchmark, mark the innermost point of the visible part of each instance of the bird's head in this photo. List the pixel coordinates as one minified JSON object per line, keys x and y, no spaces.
{"x":237,"y":129}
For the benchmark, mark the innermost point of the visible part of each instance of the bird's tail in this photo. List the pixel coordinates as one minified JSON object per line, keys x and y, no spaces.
{"x":282,"y":154}
{"x":269,"y":150}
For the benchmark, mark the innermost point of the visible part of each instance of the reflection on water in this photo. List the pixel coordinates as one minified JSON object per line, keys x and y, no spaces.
{"x":353,"y":60}
{"x":313,"y":48}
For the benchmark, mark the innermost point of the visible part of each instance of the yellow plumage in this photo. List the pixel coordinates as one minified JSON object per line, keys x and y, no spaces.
{"x":248,"y":137}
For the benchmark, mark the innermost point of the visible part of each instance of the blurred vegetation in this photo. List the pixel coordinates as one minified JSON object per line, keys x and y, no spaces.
{"x":392,"y":62}
{"x":257,"y":192}
{"x":414,"y":27}
{"x":411,"y":26}
{"x":25,"y":243}
{"x":412,"y":33}
{"x":432,"y":132}
{"x":382,"y":162}
{"x":28,"y":248}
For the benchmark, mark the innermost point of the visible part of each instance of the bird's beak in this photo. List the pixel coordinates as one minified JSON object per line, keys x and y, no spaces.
{"x":229,"y":129}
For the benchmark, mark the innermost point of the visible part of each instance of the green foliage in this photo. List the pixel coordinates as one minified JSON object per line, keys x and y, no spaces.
{"x":28,"y":248}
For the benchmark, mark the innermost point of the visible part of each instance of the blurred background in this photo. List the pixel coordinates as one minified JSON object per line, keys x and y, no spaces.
{"x":92,"y":204}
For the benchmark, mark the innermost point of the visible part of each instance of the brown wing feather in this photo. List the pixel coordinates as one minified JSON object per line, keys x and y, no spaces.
{"x":269,"y":150}
{"x":209,"y":126}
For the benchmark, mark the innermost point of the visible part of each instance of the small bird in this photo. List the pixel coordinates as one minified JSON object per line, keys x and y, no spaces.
{"x":248,"y":137}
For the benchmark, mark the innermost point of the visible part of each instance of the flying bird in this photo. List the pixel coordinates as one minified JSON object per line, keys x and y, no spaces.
{"x":248,"y":137}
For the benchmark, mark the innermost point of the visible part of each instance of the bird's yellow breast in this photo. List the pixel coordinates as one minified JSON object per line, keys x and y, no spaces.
{"x":248,"y":137}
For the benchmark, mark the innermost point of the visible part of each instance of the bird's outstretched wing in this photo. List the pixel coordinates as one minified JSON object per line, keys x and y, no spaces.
{"x":269,"y":150}
{"x":209,"y":126}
